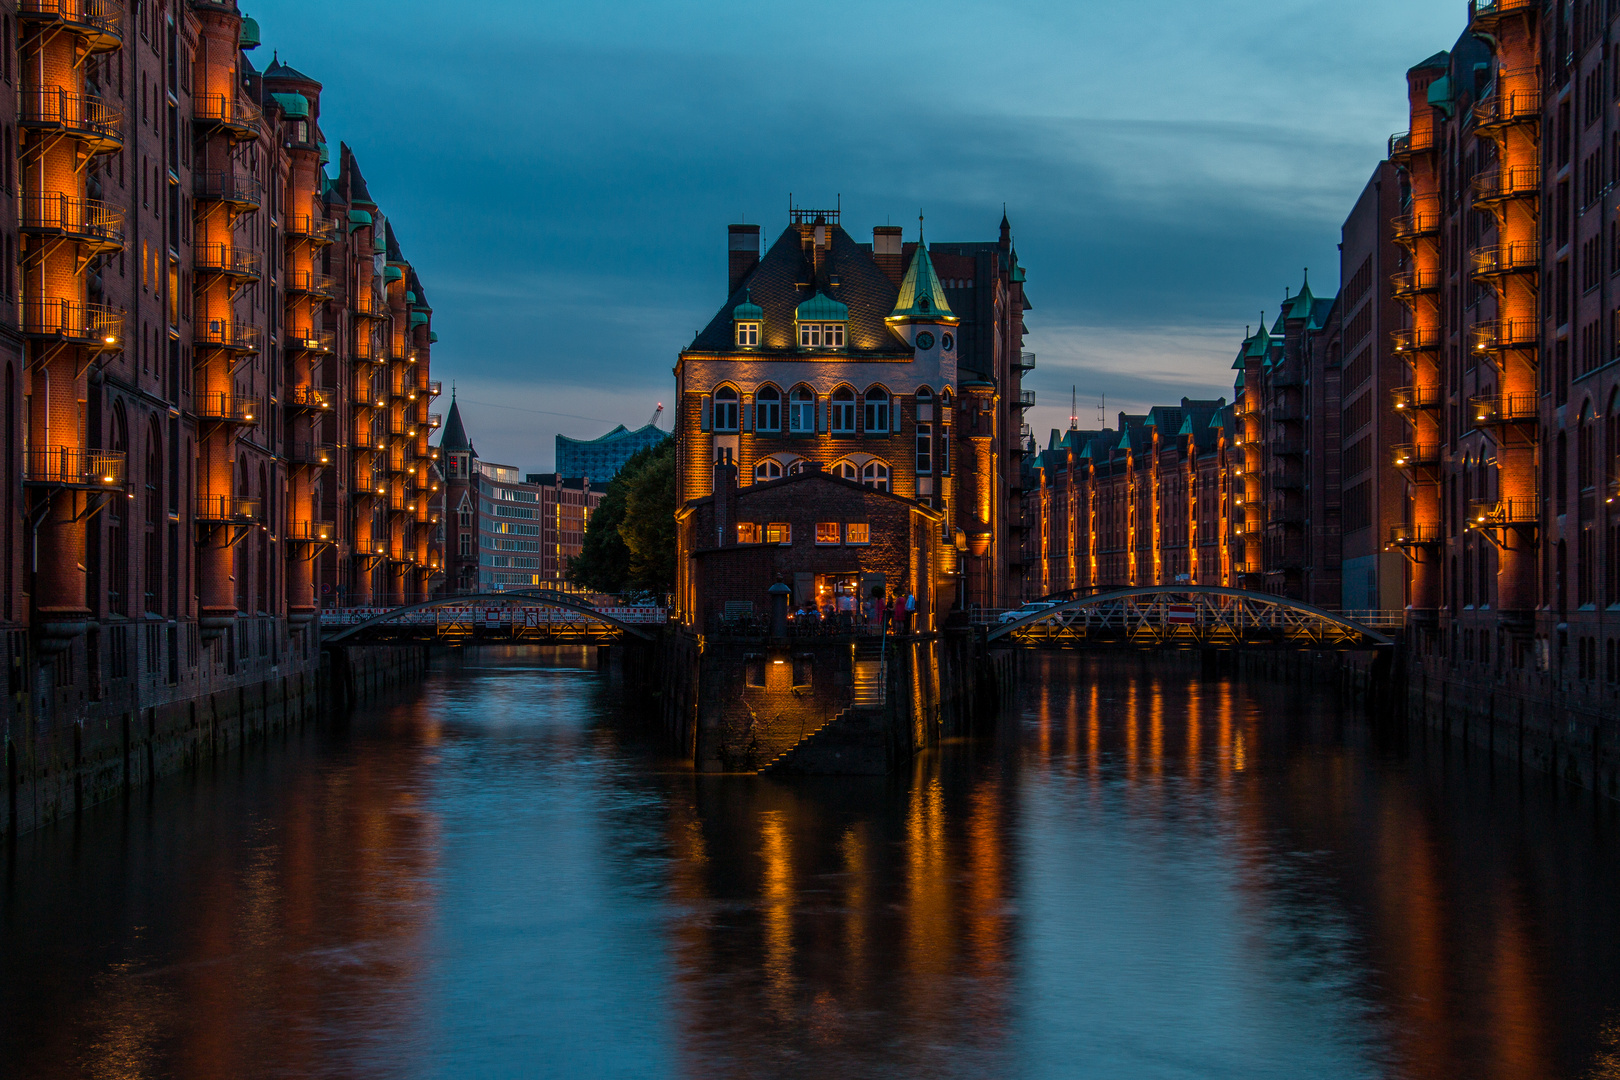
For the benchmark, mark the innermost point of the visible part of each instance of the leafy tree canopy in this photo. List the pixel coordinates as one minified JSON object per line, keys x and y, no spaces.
{"x":630,"y":540}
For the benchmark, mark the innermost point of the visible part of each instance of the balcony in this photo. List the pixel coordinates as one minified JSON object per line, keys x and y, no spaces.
{"x":305,"y":339}
{"x":1410,"y":282}
{"x":1419,"y":222}
{"x":98,"y":124}
{"x":227,"y":510}
{"x":1485,"y":14}
{"x":225,"y":408}
{"x":1408,"y":535}
{"x":95,"y":225}
{"x":1498,"y":334}
{"x":435,"y":388}
{"x":1286,"y":412}
{"x":237,"y":264}
{"x":317,"y":230}
{"x":1504,"y":512}
{"x":312,"y":454}
{"x":73,"y":467}
{"x":1414,"y":339}
{"x":310,"y":283}
{"x":369,"y":307}
{"x":312,"y":532}
{"x":95,"y":326}
{"x":1415,"y":455}
{"x":227,"y":334}
{"x":1409,"y":399}
{"x":1026,"y":399}
{"x":1514,"y":107}
{"x":224,"y":186}
{"x":307,"y":397}
{"x":403,"y":389}
{"x":96,"y":23}
{"x":1499,"y":185}
{"x":1286,"y":447}
{"x":435,"y":420}
{"x":402,"y":427}
{"x":369,"y":481}
{"x":237,"y":118}
{"x":1403,"y":144}
{"x":1026,"y":361}
{"x":1497,"y":410}
{"x":1288,"y":479}
{"x":1498,"y":260}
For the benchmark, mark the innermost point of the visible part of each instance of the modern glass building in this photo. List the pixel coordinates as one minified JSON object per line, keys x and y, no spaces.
{"x":602,"y":458}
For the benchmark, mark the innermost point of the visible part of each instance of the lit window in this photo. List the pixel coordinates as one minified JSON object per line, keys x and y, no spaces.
{"x":768,"y":409}
{"x":813,"y":335}
{"x":778,"y":532}
{"x":925,"y":448}
{"x":843,"y":411}
{"x":802,"y":411}
{"x":747,"y":532}
{"x":876,"y":475}
{"x":877,"y":411}
{"x":769,"y":469}
{"x":827,"y":532}
{"x":857,"y":532}
{"x":748,"y":334}
{"x":725,"y":409}
{"x":845,"y":470}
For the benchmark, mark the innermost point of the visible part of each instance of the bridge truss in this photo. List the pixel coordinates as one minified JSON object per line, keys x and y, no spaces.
{"x":1187,"y":616}
{"x":542,"y":618}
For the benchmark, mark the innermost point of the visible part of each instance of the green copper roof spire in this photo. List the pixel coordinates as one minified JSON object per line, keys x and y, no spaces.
{"x":922,"y":297}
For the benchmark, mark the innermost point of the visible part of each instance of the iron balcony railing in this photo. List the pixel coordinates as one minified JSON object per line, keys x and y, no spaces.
{"x":1515,"y":106}
{"x":88,"y":221}
{"x":227,"y":408}
{"x":227,"y":509}
{"x":1026,"y":361}
{"x":227,"y":111}
{"x":227,"y":334}
{"x":404,"y":389}
{"x":316,"y":532}
{"x":307,"y":397}
{"x":85,"y":116}
{"x":226,"y":186}
{"x":95,"y":325}
{"x":1503,"y":334}
{"x":309,"y":227}
{"x":1516,"y":182}
{"x":1288,"y":479}
{"x":1415,"y":455}
{"x":1414,"y":280}
{"x":1504,"y":259}
{"x":1493,"y":410}
{"x":369,"y":307}
{"x":369,"y":481}
{"x":1403,"y":144}
{"x":402,"y":426}
{"x":1415,"y":339}
{"x":305,"y":339}
{"x":1520,"y":511}
{"x":1026,"y":399}
{"x":1285,"y":447}
{"x":435,"y":420}
{"x":99,"y":22}
{"x":1407,"y":399}
{"x":1285,"y":377}
{"x":315,"y":454}
{"x":1417,"y":222}
{"x":1409,"y":535}
{"x":227,"y":259}
{"x":72,"y":466}
{"x":1486,"y":13}
{"x":310,"y":281}
{"x":367,"y":439}
{"x":435,"y":388}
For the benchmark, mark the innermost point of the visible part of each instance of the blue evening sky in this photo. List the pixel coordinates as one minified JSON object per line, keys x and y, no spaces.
{"x":562,"y":175}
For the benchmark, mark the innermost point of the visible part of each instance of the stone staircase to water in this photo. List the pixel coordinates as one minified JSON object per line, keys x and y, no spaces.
{"x":856,"y":741}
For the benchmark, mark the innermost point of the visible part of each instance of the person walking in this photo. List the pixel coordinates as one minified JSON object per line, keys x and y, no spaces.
{"x":888,"y":613}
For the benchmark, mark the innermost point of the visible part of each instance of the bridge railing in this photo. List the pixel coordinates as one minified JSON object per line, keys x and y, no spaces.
{"x":531,"y":614}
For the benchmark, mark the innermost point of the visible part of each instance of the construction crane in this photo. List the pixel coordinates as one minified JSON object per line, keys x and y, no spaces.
{"x":656,"y":414}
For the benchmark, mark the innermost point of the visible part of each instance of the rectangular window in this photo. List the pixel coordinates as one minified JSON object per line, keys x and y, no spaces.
{"x":768,"y":415}
{"x":810,"y":335}
{"x":843,"y":415}
{"x":833,"y":335}
{"x":778,"y":532}
{"x":821,"y":335}
{"x":925,"y":448}
{"x":747,"y":532}
{"x":857,"y":532}
{"x":466,"y":543}
{"x":944,"y":451}
{"x":802,"y":414}
{"x":827,"y":532}
{"x":748,"y":334}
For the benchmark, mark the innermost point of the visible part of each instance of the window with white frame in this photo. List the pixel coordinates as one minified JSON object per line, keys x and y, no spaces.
{"x":802,"y":411}
{"x":846,"y":470}
{"x":843,"y":411}
{"x":821,"y":335}
{"x":925,"y":448}
{"x":725,"y":409}
{"x":827,"y":532}
{"x":769,"y":469}
{"x":768,"y":409}
{"x":877,"y":410}
{"x":944,"y":451}
{"x":875,"y":474}
{"x":748,"y":334}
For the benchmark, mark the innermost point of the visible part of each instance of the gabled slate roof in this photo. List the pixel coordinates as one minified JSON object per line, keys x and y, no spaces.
{"x":775,"y":283}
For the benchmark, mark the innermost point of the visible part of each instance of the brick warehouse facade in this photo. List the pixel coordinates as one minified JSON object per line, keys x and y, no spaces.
{"x":876,"y":365}
{"x":216,"y":392}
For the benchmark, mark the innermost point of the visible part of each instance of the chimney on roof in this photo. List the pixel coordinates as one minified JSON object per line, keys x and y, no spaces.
{"x":888,"y":252}
{"x":743,"y":254}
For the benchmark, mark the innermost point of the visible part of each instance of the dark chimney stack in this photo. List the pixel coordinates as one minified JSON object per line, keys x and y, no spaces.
{"x":743,"y":253}
{"x":888,"y":251}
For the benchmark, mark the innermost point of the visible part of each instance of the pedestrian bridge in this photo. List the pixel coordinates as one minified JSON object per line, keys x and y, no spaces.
{"x":539,"y":617}
{"x":1186,"y":616}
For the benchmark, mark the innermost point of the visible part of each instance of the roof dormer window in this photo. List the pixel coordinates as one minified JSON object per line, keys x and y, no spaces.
{"x":747,"y":317}
{"x":821,"y":335}
{"x":748,"y":335}
{"x":822,"y":322}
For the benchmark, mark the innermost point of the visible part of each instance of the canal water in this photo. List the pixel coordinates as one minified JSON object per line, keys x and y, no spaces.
{"x":1143,"y":874}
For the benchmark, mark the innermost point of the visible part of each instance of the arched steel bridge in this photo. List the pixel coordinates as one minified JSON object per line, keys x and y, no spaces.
{"x":541,"y":617}
{"x":1187,"y":616}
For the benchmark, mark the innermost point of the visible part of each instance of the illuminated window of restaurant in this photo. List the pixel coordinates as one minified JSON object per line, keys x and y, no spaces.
{"x":827,"y":532}
{"x":857,"y":532}
{"x":778,"y":532}
{"x":747,"y":532}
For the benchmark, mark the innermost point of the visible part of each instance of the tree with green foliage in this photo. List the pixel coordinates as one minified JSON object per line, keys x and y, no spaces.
{"x":630,"y":540}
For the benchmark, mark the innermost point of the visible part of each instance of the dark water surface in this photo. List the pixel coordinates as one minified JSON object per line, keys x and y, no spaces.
{"x":1144,"y":875}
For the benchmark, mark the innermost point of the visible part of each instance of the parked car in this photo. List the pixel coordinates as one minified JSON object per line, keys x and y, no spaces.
{"x":1027,"y":610}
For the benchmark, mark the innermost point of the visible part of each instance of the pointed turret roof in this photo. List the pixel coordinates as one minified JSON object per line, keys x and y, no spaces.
{"x":921,"y":295}
{"x":455,"y":434}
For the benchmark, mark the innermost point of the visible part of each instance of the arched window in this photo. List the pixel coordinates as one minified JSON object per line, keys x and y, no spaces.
{"x":843,"y":411}
{"x":877,"y":410}
{"x":875,"y":474}
{"x":768,"y":409}
{"x":796,"y":466}
{"x":802,"y":411}
{"x":769,"y":469}
{"x":846,"y":470}
{"x":725,"y":409}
